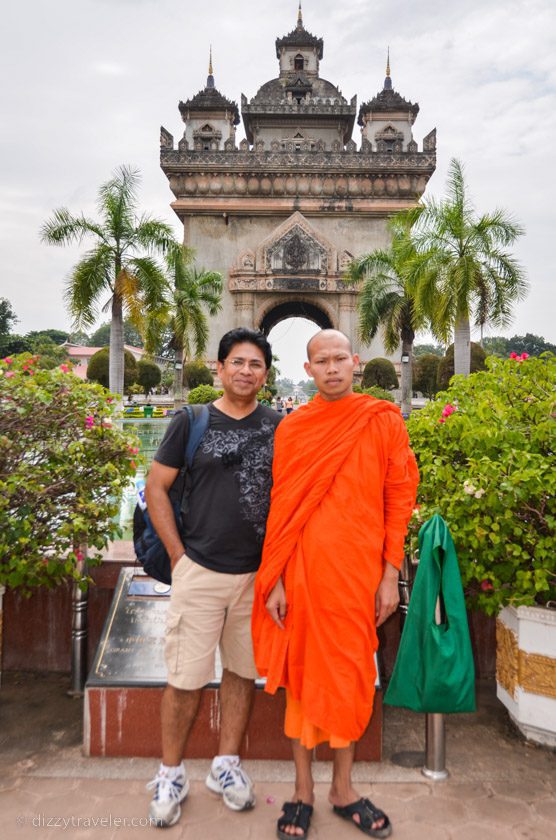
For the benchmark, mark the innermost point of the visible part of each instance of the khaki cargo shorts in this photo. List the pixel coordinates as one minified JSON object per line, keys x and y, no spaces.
{"x":208,"y":610}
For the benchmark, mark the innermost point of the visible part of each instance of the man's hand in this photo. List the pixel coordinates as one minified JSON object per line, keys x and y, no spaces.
{"x":276,"y":604}
{"x":387,"y":595}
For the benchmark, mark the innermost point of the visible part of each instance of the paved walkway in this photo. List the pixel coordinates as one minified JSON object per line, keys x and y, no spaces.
{"x":500,"y":787}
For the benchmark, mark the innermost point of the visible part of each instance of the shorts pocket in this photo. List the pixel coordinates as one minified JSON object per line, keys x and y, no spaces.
{"x":172,"y":643}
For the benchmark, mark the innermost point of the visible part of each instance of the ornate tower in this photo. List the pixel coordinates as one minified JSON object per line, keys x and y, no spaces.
{"x":283,"y":215}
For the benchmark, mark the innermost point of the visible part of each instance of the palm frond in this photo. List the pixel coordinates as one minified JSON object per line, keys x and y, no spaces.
{"x":89,"y":277}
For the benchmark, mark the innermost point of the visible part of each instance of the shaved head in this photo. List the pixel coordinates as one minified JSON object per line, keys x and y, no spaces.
{"x":329,"y":335}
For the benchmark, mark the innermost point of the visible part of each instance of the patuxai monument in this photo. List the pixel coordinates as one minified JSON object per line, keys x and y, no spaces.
{"x":282,"y":212}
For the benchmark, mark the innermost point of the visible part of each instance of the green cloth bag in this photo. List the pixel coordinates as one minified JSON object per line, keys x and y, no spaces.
{"x":434,"y":670}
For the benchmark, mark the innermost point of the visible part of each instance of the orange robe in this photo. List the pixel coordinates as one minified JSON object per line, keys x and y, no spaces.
{"x":344,"y":486}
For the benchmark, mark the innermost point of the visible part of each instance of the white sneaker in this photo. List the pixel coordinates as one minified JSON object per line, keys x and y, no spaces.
{"x":164,"y":809}
{"x":228,"y":778}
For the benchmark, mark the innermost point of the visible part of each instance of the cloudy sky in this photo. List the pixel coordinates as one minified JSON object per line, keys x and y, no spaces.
{"x":87,"y":84}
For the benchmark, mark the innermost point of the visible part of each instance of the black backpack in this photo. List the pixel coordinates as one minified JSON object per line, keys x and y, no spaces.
{"x":149,"y":548}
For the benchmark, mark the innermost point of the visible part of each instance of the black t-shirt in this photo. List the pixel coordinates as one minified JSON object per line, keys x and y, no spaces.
{"x":231,"y":477}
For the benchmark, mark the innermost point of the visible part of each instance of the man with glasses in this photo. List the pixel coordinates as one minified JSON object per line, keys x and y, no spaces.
{"x":214,"y":560}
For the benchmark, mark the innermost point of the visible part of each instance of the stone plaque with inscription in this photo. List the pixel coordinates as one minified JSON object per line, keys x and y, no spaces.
{"x":131,"y":648}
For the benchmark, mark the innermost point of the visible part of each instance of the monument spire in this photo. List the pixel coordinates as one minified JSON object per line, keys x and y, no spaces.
{"x":210,"y":77}
{"x":388,"y":80}
{"x":299,"y":17}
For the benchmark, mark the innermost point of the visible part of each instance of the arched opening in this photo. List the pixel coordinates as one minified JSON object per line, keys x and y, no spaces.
{"x":298,"y":62}
{"x":289,"y":326}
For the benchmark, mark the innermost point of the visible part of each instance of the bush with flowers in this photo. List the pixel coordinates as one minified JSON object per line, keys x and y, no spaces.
{"x":63,"y":467}
{"x":486,"y":450}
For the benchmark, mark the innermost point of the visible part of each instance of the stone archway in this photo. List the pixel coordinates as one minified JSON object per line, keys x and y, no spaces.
{"x":294,"y":309}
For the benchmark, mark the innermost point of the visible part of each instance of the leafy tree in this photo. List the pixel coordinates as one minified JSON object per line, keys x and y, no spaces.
{"x":80,"y":338}
{"x":7,"y":316}
{"x":120,"y":262}
{"x":98,"y":369}
{"x":486,"y":453}
{"x":496,"y":345}
{"x":197,"y":373}
{"x":148,"y":375}
{"x":203,"y":394}
{"x":195,"y":292}
{"x":386,"y":298}
{"x":425,"y":377}
{"x":63,"y":466}
{"x":57,"y":336}
{"x":49,"y":353}
{"x":446,"y":366}
{"x":463,"y":267}
{"x":101,"y":336}
{"x":380,"y":372}
{"x":427,"y":349}
{"x":12,"y":344}
{"x":534,"y":345}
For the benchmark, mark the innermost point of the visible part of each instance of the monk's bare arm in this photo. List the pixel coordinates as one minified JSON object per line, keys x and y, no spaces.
{"x":387,"y":595}
{"x":159,"y":481}
{"x":276,"y":604}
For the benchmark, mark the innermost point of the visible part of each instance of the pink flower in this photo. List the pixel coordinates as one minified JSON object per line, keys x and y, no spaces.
{"x":79,"y":556}
{"x":8,"y":360}
{"x":442,"y":420}
{"x":9,"y":374}
{"x":448,"y":409}
{"x":486,"y":586}
{"x":109,"y":400}
{"x":523,"y":357}
{"x":514,"y":356}
{"x":64,"y":368}
{"x":89,"y":422}
{"x":134,"y":450}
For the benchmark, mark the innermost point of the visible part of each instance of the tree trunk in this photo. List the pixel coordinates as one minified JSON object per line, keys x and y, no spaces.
{"x":406,"y":377}
{"x":116,"y":369}
{"x":462,"y":345}
{"x":178,"y":377}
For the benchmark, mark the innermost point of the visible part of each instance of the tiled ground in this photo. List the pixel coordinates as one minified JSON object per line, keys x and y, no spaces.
{"x":500,"y":788}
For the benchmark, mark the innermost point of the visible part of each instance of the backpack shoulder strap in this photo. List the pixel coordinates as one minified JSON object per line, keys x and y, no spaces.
{"x":198,"y":423}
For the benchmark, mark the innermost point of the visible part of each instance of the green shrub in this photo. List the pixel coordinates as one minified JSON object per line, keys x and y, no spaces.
{"x":97,"y":369}
{"x":486,"y":453}
{"x":197,"y":373}
{"x":446,"y":366}
{"x":63,"y":467}
{"x":380,"y":372}
{"x":425,"y":374}
{"x":148,"y":375}
{"x":203,"y":394}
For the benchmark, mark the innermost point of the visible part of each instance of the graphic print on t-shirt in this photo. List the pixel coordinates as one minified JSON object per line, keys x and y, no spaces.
{"x":248,"y":453}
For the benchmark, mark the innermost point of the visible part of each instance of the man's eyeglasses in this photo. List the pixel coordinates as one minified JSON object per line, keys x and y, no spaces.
{"x":253,"y":364}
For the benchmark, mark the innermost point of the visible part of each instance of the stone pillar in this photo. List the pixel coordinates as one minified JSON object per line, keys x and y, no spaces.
{"x":244,"y":305}
{"x":347,"y":322}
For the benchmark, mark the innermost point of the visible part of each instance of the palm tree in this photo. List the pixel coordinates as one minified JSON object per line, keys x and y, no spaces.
{"x":386,"y":298}
{"x":116,"y":264}
{"x":195,"y":292}
{"x":463,"y":267}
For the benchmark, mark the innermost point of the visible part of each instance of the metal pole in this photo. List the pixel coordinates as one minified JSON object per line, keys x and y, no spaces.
{"x":79,"y":629}
{"x":435,"y":735}
{"x":435,"y":748}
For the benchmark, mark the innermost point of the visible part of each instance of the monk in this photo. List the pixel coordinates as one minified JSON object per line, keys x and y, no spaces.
{"x":344,"y":486}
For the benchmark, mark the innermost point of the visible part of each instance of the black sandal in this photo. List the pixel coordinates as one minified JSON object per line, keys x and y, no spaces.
{"x":296,"y":814}
{"x":368,"y":814}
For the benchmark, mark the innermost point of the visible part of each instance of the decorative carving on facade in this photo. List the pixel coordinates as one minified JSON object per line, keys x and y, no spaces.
{"x":537,"y":673}
{"x":183,"y":144}
{"x":506,"y":658}
{"x":166,"y":139}
{"x":429,"y":142}
{"x":230,"y":145}
{"x":296,"y":252}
